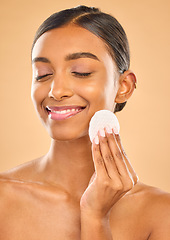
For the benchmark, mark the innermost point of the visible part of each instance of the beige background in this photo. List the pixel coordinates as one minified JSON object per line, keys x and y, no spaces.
{"x":144,"y":122}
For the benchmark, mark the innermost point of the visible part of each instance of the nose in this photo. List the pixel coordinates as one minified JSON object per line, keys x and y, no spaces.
{"x":60,"y":89}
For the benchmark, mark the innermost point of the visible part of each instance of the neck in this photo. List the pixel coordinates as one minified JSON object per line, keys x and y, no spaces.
{"x":69,"y":164}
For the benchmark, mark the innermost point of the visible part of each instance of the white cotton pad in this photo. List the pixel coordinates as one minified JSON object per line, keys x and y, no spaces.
{"x":101,"y":120}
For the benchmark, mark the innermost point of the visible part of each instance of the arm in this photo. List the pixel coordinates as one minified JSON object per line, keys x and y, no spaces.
{"x":113,"y":178}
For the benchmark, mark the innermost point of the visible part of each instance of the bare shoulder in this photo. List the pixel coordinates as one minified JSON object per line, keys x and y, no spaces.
{"x":143,"y":213}
{"x":25,"y":181}
{"x":155,"y":198}
{"x":151,"y":199}
{"x":18,"y":184}
{"x":158,"y":207}
{"x":154,"y":205}
{"x":26,"y":171}
{"x":15,"y":178}
{"x":10,"y":177}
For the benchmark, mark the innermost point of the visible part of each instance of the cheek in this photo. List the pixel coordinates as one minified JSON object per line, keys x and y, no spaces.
{"x":38,"y":94}
{"x":110,"y":88}
{"x":110,"y":92}
{"x":99,"y":92}
{"x":91,"y":91}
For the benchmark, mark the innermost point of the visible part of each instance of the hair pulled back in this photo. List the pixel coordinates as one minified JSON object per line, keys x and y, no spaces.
{"x":102,"y":25}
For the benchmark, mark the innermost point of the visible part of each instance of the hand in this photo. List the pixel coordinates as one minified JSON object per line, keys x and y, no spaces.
{"x":113,"y":177}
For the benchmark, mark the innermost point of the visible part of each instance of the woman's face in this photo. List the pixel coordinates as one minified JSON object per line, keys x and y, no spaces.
{"x":73,"y":77}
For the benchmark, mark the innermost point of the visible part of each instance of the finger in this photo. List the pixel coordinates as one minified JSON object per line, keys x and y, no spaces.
{"x":109,"y":161}
{"x":123,"y":170}
{"x":117,"y":154}
{"x":131,"y":169}
{"x":99,"y":165}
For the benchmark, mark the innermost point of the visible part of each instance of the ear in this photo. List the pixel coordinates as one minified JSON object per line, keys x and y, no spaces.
{"x":127,"y":84}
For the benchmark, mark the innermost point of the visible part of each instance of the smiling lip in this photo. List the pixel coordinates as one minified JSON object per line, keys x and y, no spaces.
{"x":63,"y":112}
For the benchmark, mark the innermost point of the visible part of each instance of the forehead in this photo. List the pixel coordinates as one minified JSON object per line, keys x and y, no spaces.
{"x":69,"y":39}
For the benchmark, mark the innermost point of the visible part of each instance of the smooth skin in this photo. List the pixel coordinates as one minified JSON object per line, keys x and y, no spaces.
{"x":79,"y":190}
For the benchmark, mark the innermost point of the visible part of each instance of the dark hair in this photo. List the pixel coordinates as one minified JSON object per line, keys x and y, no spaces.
{"x":102,"y":25}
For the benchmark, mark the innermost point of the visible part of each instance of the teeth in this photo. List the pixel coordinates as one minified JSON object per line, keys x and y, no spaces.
{"x":65,"y":111}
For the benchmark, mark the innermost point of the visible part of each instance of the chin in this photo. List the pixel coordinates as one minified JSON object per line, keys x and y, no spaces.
{"x":68,"y":135}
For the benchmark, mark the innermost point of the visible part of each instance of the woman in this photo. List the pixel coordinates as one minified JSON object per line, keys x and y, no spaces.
{"x":79,"y":190}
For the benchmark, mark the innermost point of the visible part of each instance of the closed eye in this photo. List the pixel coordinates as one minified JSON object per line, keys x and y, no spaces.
{"x":82,"y":74}
{"x":43,"y":77}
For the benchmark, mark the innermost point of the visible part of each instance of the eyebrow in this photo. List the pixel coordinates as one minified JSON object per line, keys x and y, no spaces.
{"x":77,"y":55}
{"x":40,"y":59}
{"x":72,"y":56}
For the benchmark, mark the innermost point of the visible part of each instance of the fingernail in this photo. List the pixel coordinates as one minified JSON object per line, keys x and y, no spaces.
{"x":115,"y":130}
{"x":102,"y":133}
{"x":108,"y":130}
{"x":96,"y":140}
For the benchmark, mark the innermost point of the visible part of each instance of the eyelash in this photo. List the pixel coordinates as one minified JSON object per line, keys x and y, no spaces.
{"x":42,"y":76}
{"x":85,"y":74}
